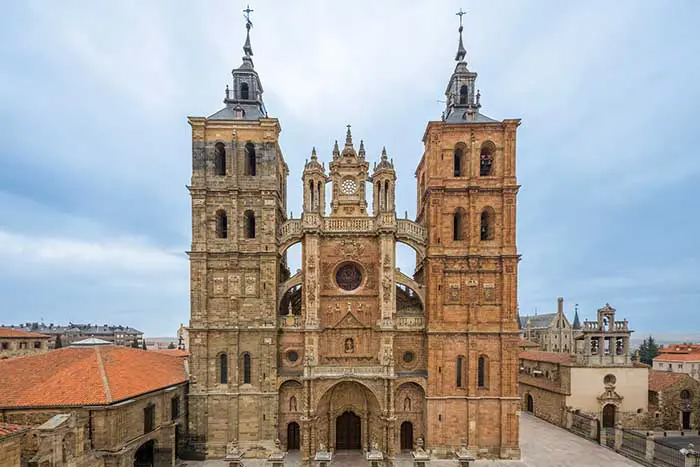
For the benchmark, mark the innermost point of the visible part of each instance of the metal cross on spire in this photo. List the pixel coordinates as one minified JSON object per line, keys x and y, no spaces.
{"x":461,"y":51}
{"x":460,"y":13}
{"x":247,"y":13}
{"x":248,"y":24}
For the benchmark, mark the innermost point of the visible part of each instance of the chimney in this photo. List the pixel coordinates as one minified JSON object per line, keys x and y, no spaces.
{"x":560,"y":304}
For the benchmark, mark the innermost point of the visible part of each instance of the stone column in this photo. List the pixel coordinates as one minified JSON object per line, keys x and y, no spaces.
{"x":618,"y":436}
{"x":650,"y":446}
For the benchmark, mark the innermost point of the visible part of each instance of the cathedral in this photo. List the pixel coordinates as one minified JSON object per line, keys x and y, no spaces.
{"x":349,"y":352}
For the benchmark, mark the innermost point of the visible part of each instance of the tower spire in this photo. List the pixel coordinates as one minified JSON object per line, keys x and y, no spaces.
{"x":461,"y":51}
{"x":248,"y":24}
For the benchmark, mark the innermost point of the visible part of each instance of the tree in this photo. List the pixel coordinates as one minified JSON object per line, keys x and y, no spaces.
{"x":648,"y":350}
{"x":58,"y":344}
{"x":143,"y":345}
{"x":135,"y":343}
{"x":171,"y":345}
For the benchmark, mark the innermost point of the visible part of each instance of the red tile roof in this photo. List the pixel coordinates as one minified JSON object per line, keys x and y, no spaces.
{"x":660,"y":380}
{"x":17,"y":333}
{"x":9,"y":429}
{"x":542,"y":356}
{"x":173,"y":352}
{"x":75,"y":376}
{"x":678,"y":357}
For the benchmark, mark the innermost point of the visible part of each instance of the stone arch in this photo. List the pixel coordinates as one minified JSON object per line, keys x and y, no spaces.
{"x":355,"y":397}
{"x":145,"y":454}
{"x":418,"y":247}
{"x":412,"y":412}
{"x":402,"y":279}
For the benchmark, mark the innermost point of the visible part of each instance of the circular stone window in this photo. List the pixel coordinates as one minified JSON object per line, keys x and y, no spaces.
{"x":292,"y":356}
{"x":348,"y":186}
{"x":609,"y":380}
{"x":408,"y":357}
{"x":348,"y":276}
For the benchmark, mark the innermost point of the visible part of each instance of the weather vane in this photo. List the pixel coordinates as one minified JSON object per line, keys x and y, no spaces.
{"x":247,"y":13}
{"x":460,"y":13}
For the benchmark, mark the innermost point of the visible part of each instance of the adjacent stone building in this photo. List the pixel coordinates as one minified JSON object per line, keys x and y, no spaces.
{"x":679,"y":358}
{"x":674,"y":401}
{"x":96,"y":406}
{"x":11,"y":436}
{"x":599,"y":378}
{"x":18,"y":343}
{"x":348,"y":351}
{"x":552,"y":331}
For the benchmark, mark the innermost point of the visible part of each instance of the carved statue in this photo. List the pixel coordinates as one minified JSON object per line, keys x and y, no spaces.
{"x":232,"y":448}
{"x":375,"y":446}
{"x":463,"y":448}
{"x":289,"y":312}
{"x":321,"y":447}
{"x":349,"y":345}
{"x":419,"y":445}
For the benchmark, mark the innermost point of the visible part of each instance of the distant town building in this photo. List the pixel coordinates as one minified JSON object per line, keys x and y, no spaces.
{"x":552,"y":331}
{"x":599,"y":378}
{"x":674,"y":401}
{"x":117,"y":335}
{"x":129,"y":404}
{"x":19,"y":343}
{"x":679,"y":358}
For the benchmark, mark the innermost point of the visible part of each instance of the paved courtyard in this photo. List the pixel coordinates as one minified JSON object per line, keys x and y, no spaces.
{"x":542,"y":445}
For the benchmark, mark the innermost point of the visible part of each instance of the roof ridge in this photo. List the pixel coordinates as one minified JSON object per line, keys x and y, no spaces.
{"x":103,"y":375}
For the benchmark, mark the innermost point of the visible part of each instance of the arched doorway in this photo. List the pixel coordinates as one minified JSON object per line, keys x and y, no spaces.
{"x":347,"y":431}
{"x":143,"y":457}
{"x":406,"y":436}
{"x":686,"y":420}
{"x":530,"y":407}
{"x":609,"y":416}
{"x":293,"y":438}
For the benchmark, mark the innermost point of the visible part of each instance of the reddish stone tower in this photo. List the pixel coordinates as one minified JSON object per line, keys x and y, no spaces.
{"x":467,"y":201}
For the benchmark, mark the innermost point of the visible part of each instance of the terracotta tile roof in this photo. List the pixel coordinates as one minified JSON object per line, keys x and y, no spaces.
{"x":660,"y":380}
{"x":16,"y":333}
{"x":76,"y":376}
{"x":524,"y":343}
{"x":542,"y":356}
{"x":9,"y":429}
{"x":678,"y":357}
{"x":173,"y":352}
{"x":680,"y":348}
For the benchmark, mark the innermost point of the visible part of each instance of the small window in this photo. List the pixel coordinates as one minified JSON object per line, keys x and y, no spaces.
{"x":246,"y":368}
{"x":37,"y":345}
{"x":408,"y":357}
{"x":249,"y":222}
{"x":463,"y":93}
{"x":459,"y":370}
{"x":223,"y":368}
{"x":220,"y":159}
{"x":174,"y":408}
{"x":292,"y":356}
{"x":245,"y":92}
{"x":457,"y":227}
{"x":5,"y":346}
{"x":482,"y":371}
{"x":458,"y":162}
{"x":685,"y":395}
{"x":486,"y":159}
{"x":250,"y":159}
{"x":221,"y":224}
{"x":487,"y":227}
{"x":149,"y":418}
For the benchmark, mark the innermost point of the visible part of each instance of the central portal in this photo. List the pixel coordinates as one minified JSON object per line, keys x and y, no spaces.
{"x":347,"y":431}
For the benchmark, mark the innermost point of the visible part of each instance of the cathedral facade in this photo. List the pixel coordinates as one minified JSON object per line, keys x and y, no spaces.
{"x":348,"y":352}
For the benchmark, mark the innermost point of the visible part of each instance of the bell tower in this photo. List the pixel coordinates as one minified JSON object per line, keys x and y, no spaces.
{"x":238,"y":192}
{"x":348,"y":173}
{"x":467,"y":201}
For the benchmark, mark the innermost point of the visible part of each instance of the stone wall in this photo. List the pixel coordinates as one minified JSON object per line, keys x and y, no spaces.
{"x":10,"y":450}
{"x":14,"y":347}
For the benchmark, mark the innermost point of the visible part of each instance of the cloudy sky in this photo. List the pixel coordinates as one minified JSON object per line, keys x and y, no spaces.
{"x":95,"y":147}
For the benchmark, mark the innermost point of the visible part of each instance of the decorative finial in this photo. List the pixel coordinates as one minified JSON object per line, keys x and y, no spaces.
{"x":313,"y":154}
{"x":348,"y":137}
{"x":248,"y":24}
{"x":384,"y":153}
{"x":361,"y":152}
{"x":461,"y":51}
{"x":478,"y":98}
{"x":336,"y":151}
